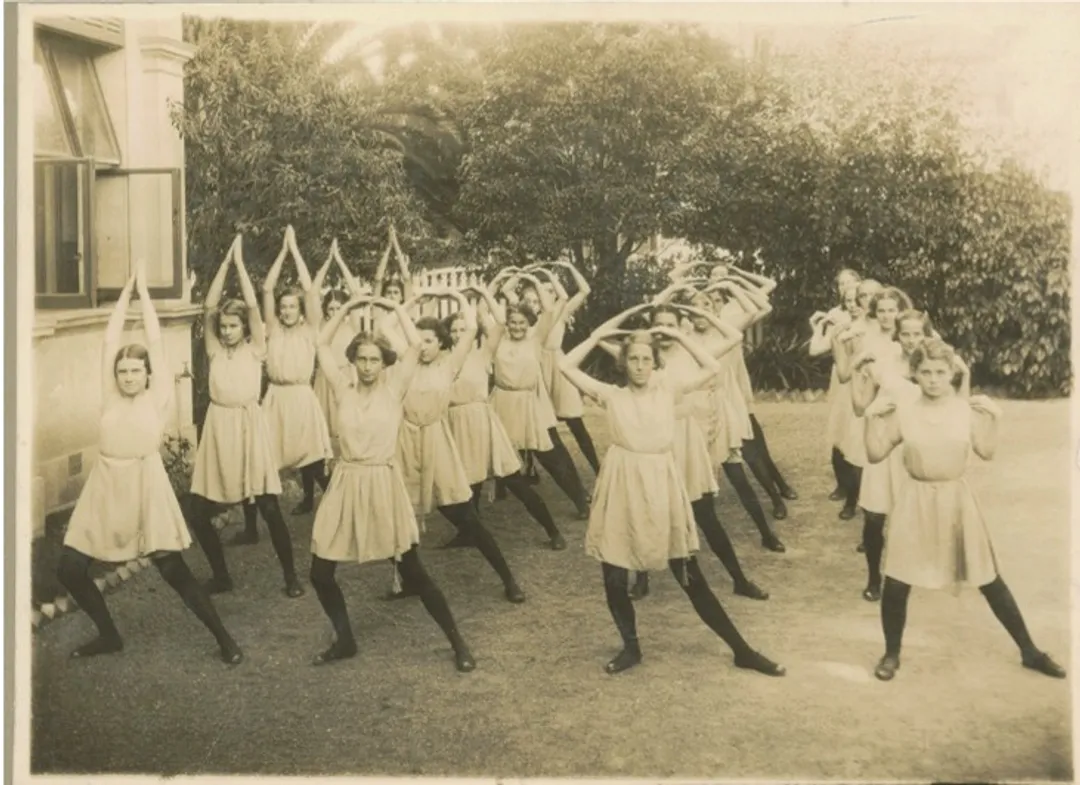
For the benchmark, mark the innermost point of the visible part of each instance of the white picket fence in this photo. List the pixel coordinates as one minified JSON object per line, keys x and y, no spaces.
{"x":426,"y":280}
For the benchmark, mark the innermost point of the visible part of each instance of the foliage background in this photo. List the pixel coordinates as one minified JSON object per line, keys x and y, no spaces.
{"x":586,"y":140}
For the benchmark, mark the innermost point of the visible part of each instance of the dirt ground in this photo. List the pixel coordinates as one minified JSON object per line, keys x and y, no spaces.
{"x":539,"y":703}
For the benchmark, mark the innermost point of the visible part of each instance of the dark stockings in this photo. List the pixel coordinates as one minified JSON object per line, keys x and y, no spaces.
{"x":839,"y":469}
{"x":584,"y":440}
{"x":873,"y":537}
{"x":736,"y":475}
{"x":534,"y":505}
{"x":464,"y":519}
{"x":73,"y":572}
{"x":717,"y":537}
{"x":785,"y":490}
{"x":201,"y":523}
{"x":309,"y":475}
{"x":754,"y":457}
{"x":894,"y":598}
{"x":412,"y":574}
{"x":853,"y":481}
{"x":558,"y":463}
{"x":708,"y":607}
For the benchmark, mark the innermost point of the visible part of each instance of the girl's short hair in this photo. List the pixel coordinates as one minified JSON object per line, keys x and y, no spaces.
{"x":333,"y":296}
{"x":867,"y":286}
{"x":643,"y":337}
{"x":847,"y":271}
{"x":365,"y":338}
{"x":665,"y":308}
{"x":292,"y":291}
{"x":932,"y":349}
{"x":442,"y":334}
{"x":394,"y":281}
{"x":237,"y":308}
{"x":915,"y":315}
{"x":134,"y":351}
{"x":903,"y":302}
{"x":522,"y":309}
{"x":448,"y":325}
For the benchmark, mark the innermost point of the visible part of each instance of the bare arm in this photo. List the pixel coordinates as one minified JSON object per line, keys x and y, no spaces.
{"x":380,"y":271}
{"x":328,"y":360}
{"x":255,"y":322}
{"x":213,"y":299}
{"x":731,"y":336}
{"x":882,"y":432}
{"x":710,"y":365}
{"x":272,"y":275}
{"x":842,"y":347}
{"x":765,"y":285}
{"x":114,"y":331}
{"x":461,"y":350}
{"x":350,"y":280}
{"x":403,"y":264}
{"x":312,"y":297}
{"x":864,"y":388}
{"x":570,"y":365}
{"x":298,"y":259}
{"x":985,"y":419}
{"x":160,"y":384}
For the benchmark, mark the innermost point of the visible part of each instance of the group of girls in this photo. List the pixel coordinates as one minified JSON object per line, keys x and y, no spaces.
{"x":418,"y":413}
{"x":902,"y":426}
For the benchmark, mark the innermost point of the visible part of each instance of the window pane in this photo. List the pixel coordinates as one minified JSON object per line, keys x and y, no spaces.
{"x":86,"y":104}
{"x":60,"y":228}
{"x":50,"y":135}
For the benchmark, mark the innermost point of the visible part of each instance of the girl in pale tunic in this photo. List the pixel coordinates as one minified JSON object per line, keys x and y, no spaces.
{"x":691,"y":448}
{"x":485,"y":449}
{"x":235,"y":460}
{"x":720,"y":422}
{"x":558,"y":309}
{"x":366,"y":514}
{"x":520,"y":398}
{"x":427,"y":452}
{"x":937,"y":536}
{"x":127,"y":508}
{"x":823,"y":327}
{"x":642,"y":518}
{"x":846,"y":344}
{"x":884,"y":371}
{"x":397,"y":289}
{"x":340,"y":341}
{"x":299,"y":435}
{"x":752,"y":293}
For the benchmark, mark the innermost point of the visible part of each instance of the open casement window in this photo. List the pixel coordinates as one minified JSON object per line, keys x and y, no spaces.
{"x":155,"y":197}
{"x":74,"y":142}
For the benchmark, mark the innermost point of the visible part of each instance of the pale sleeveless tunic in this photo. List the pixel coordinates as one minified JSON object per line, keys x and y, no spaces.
{"x":127,"y":508}
{"x":641,"y":516}
{"x":366,"y":514}
{"x":520,"y":398}
{"x":485,"y":449}
{"x":235,"y":461}
{"x":299,"y":435}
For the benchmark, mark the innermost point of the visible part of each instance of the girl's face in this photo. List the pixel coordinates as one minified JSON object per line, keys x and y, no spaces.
{"x":851,"y":302}
{"x":457,"y":330}
{"x":230,"y":330}
{"x":394,"y":292}
{"x":131,"y":376}
{"x":665,"y":319}
{"x":289,"y":310}
{"x":844,"y":281}
{"x":702,"y":302}
{"x":332,"y":308}
{"x":910,"y":334}
{"x":429,"y":346}
{"x":517,"y":327}
{"x":934,"y":378}
{"x":530,"y":298}
{"x":640,"y":364}
{"x":887,"y":311}
{"x":865,"y":294}
{"x":368,"y":363}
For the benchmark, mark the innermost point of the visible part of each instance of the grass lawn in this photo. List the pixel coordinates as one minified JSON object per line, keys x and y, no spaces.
{"x":539,"y":703}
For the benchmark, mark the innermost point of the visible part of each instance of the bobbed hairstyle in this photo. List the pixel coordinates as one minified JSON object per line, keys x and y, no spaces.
{"x":524,"y":310}
{"x":448,"y":325}
{"x":932,"y":349}
{"x":659,"y":309}
{"x":903,"y":302}
{"x":442,"y":334}
{"x":915,"y":315}
{"x":291,"y":291}
{"x":134,"y":351}
{"x":333,"y":296}
{"x":867,"y":286}
{"x":237,"y":308}
{"x":638,"y":337}
{"x":389,"y":356}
